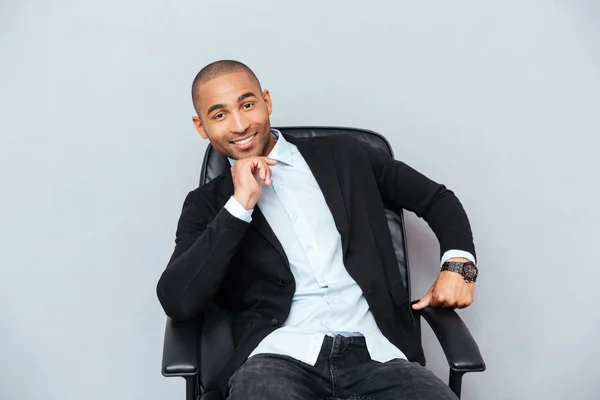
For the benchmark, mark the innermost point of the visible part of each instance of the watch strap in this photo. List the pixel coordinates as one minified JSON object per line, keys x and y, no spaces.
{"x":459,"y":267}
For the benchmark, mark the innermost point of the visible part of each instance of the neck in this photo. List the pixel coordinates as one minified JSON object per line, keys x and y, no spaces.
{"x":269,"y":146}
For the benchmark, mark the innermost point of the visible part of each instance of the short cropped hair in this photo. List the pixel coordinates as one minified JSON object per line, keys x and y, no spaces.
{"x":215,"y":70}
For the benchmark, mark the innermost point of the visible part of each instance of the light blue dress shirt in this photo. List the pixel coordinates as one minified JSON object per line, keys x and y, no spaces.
{"x":327,"y":300}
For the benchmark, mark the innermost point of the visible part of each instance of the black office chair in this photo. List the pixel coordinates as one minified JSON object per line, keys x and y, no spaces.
{"x":198,"y":350}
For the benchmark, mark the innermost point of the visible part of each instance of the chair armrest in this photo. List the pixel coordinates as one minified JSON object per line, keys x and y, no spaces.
{"x":180,"y":349}
{"x":457,"y":342}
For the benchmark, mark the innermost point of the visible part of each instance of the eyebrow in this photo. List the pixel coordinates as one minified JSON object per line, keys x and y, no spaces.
{"x":245,"y":96}
{"x":241,"y":98}
{"x":214,"y":107}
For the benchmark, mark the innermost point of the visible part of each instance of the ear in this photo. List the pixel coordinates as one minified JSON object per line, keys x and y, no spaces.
{"x":267,"y":98}
{"x":199,"y":127}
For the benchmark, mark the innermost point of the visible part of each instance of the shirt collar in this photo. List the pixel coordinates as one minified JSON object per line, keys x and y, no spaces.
{"x":282,"y":152}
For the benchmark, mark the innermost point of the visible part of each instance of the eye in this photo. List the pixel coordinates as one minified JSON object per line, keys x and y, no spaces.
{"x":248,"y":105}
{"x":219,"y":116}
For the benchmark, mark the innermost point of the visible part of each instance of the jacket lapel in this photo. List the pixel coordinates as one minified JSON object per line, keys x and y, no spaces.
{"x":319,"y":157}
{"x":259,"y":222}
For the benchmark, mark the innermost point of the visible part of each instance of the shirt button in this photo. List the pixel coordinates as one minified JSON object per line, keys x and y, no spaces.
{"x":274,"y":322}
{"x":281,"y":187}
{"x":309,"y":247}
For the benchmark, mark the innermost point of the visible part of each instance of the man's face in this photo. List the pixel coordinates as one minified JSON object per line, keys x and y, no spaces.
{"x":234,"y":116}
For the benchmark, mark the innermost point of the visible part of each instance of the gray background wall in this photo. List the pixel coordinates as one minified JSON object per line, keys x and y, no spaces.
{"x":498,"y":100}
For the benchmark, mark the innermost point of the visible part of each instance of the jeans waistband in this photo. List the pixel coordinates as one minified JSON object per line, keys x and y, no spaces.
{"x":336,"y":345}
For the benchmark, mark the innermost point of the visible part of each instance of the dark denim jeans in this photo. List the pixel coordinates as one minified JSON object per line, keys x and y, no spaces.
{"x":344,"y":370}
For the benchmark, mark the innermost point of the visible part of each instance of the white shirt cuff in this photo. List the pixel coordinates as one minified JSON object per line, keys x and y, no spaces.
{"x":456,"y":254}
{"x":237,"y":210}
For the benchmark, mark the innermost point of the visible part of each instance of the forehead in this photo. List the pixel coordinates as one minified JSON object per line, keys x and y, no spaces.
{"x":227,"y":88}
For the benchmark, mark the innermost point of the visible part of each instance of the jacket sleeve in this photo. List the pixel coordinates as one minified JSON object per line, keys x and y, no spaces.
{"x":406,"y":188}
{"x":204,"y":246}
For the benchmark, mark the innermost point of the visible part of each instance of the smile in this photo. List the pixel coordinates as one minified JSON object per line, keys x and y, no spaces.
{"x":244,"y":141}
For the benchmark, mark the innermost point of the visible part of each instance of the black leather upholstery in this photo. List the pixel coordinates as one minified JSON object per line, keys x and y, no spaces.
{"x":459,"y":346}
{"x":213,"y":395}
{"x":181,"y":338}
{"x":186,"y":353}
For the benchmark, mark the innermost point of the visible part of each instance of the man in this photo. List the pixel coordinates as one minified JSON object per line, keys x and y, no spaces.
{"x":293,"y":240}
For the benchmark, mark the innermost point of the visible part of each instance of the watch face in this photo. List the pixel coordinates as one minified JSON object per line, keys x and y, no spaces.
{"x":469,"y":271}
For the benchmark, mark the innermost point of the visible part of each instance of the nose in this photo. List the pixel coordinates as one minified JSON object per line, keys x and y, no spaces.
{"x":239,"y":124}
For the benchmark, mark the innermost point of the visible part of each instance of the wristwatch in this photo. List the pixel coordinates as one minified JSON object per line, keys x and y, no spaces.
{"x":467,"y":269}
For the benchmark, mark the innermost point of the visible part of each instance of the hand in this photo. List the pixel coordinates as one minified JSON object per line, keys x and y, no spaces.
{"x":449,"y":290}
{"x":246,"y":173}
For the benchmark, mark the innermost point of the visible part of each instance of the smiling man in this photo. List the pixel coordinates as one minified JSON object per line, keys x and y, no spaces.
{"x":233,"y":111}
{"x":293,"y":240}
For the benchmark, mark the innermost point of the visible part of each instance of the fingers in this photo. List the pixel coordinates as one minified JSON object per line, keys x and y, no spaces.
{"x":465,"y":301}
{"x":264,"y":172}
{"x":261,"y":165}
{"x":440,"y":296}
{"x":424,"y":302}
{"x":443,"y":298}
{"x":258,"y":167}
{"x":441,"y":301}
{"x":450,"y":291}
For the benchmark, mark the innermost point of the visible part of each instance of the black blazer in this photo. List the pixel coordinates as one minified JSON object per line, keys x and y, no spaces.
{"x":243,"y":268}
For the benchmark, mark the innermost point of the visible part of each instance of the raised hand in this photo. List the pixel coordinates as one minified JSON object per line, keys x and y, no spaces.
{"x":246,"y":174}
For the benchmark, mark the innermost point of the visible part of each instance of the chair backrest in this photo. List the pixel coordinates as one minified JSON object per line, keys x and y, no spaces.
{"x":216,"y":341}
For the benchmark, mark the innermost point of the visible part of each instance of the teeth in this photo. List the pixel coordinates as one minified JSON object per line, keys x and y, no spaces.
{"x":245,"y":140}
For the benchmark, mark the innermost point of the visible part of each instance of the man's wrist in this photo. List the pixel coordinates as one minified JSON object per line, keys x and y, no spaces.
{"x":237,"y":210}
{"x":467,"y":269}
{"x":457,"y":259}
{"x":455,"y":253}
{"x":244,"y":201}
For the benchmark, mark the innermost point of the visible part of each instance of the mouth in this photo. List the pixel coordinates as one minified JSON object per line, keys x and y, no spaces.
{"x":244,"y":143}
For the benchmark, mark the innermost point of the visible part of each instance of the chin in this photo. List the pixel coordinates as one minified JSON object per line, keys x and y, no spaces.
{"x":245,"y":154}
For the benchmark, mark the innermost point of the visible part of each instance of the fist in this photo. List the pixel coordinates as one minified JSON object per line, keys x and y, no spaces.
{"x":449,"y":290}
{"x":246,"y":174}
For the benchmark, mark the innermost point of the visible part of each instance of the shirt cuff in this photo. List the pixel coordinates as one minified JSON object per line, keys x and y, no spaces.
{"x":456,"y":254}
{"x":237,"y":210}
